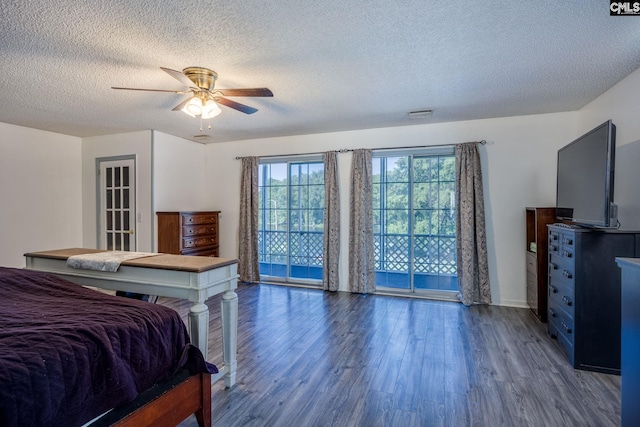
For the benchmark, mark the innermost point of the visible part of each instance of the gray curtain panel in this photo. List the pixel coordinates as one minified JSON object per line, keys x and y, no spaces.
{"x":331,"y":247}
{"x":361,"y":258}
{"x":473,"y":270}
{"x":248,"y":268}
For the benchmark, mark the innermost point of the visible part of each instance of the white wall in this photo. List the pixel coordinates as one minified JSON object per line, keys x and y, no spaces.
{"x":40,"y":192}
{"x":621,"y":104}
{"x":179,"y":175}
{"x":519,"y":167}
{"x":137,"y":144}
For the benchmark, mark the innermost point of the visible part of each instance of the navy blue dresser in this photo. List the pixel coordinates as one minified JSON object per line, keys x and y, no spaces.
{"x":583,"y":312}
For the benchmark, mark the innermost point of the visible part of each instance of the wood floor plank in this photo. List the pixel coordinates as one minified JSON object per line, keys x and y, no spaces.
{"x":313,"y":358}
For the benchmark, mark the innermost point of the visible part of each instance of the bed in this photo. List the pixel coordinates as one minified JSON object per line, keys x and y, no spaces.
{"x":69,"y":354}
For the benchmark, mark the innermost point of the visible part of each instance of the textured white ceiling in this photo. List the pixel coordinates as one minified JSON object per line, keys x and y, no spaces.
{"x":331,"y":64}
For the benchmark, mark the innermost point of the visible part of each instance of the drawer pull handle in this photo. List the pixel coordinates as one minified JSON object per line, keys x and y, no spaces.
{"x":567,"y":274}
{"x":553,"y":289}
{"x":567,"y":241}
{"x":553,"y":248}
{"x":567,"y":301}
{"x":566,"y":328}
{"x":566,"y":254}
{"x":552,"y":312}
{"x":553,"y":266}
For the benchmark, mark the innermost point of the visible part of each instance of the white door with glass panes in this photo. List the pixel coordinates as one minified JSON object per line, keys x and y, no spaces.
{"x":117,"y":212}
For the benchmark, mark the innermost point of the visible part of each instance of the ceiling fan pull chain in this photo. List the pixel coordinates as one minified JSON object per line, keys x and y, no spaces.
{"x":200,"y":123}
{"x":209,"y":124}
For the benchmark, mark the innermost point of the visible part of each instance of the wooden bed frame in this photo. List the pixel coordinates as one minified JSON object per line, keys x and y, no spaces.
{"x":166,"y":404}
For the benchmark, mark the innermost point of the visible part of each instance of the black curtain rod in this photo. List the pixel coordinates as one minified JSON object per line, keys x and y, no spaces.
{"x":346,"y":150}
{"x":483,"y":142}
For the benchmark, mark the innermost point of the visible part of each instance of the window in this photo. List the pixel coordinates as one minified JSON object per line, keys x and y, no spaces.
{"x":414,"y":222}
{"x":291,"y":220}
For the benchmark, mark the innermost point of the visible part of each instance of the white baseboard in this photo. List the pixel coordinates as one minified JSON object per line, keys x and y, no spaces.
{"x":512,"y":303}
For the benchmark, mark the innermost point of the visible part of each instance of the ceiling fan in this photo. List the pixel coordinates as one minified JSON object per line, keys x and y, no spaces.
{"x":204,"y":97}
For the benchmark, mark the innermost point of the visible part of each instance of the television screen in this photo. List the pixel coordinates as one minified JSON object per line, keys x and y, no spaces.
{"x":585,"y":179}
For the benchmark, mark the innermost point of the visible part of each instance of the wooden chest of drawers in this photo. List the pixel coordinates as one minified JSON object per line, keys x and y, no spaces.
{"x":188,"y":233}
{"x":584,"y":294}
{"x":537,"y":220}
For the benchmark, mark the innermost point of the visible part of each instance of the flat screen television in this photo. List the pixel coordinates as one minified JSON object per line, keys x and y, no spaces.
{"x":584,"y":193}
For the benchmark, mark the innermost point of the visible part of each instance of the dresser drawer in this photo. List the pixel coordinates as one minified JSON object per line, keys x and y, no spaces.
{"x":566,"y":252}
{"x":193,"y":219}
{"x":198,"y":242}
{"x":198,"y":230}
{"x":562,"y":269}
{"x":556,"y":331}
{"x":532,"y":262}
{"x":561,"y":295}
{"x":532,"y":290}
{"x":210,"y":251}
{"x":567,"y":240}
{"x":563,"y":320}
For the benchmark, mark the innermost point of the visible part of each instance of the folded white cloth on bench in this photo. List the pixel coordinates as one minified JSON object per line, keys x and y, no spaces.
{"x":104,"y":261}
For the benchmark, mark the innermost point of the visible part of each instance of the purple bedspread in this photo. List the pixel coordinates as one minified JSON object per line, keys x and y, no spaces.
{"x":68,"y":354}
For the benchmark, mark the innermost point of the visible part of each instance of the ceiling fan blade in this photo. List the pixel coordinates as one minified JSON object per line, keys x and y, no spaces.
{"x":257,"y":91}
{"x":150,"y":90}
{"x":181,"y":105}
{"x":236,"y":105}
{"x":178,"y":75}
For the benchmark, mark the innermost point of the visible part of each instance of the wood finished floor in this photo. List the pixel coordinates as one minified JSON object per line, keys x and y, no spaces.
{"x":313,"y":358}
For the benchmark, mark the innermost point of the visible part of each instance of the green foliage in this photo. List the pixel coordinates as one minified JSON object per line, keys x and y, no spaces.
{"x":298,"y":204}
{"x":433,"y":192}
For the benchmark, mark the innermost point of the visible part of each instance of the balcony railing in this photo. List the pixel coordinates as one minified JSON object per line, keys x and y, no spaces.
{"x":304,"y":253}
{"x":432,"y":254}
{"x":434,"y":258}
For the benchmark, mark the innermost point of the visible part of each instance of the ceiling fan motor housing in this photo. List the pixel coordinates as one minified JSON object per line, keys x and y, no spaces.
{"x":203,"y":78}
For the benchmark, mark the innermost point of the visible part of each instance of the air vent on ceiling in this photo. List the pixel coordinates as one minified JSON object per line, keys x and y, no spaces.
{"x":420,"y":114}
{"x":202,"y":138}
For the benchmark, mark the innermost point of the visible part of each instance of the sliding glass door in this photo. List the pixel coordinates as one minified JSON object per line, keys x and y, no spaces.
{"x":414,"y":222}
{"x":291,"y":220}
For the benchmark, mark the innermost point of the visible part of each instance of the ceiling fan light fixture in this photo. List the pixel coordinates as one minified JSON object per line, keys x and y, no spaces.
{"x":197,"y":107}
{"x":210,"y":109}
{"x":193,"y":107}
